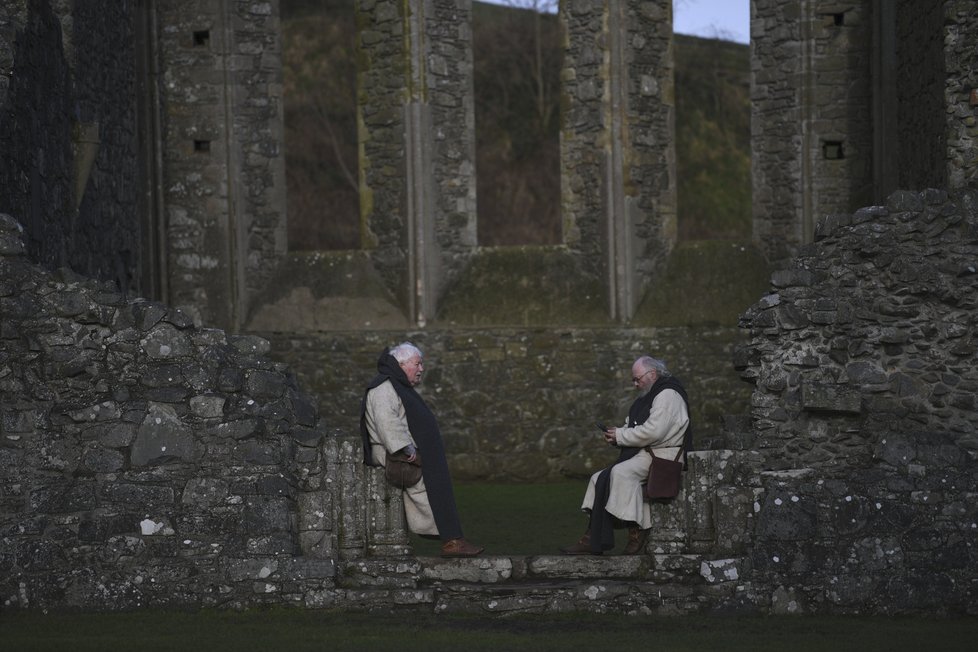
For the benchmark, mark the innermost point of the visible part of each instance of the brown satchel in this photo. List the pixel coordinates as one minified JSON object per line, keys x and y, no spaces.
{"x":665,"y":478}
{"x":401,"y":473}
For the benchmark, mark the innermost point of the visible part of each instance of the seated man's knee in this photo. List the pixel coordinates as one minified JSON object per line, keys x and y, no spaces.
{"x":620,"y":474}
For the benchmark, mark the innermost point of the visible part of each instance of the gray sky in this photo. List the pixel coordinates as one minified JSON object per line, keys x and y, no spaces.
{"x":725,"y":19}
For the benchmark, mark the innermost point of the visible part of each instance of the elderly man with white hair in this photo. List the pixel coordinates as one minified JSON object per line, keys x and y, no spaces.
{"x":395,"y":420}
{"x":658,"y":424}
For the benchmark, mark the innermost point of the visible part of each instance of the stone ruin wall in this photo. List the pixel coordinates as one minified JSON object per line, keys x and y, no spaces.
{"x":67,"y":79}
{"x":839,"y":109}
{"x":811,"y":127}
{"x":146,"y":461}
{"x":223,"y":198}
{"x":863,"y":362}
{"x":851,"y":101}
{"x":886,"y":500}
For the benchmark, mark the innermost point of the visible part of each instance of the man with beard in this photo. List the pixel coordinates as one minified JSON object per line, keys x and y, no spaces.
{"x":658,"y":424}
{"x":395,"y":420}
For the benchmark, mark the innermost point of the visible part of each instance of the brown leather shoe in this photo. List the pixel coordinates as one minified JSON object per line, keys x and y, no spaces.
{"x":636,"y":541}
{"x":460,"y":548}
{"x":582,"y":547}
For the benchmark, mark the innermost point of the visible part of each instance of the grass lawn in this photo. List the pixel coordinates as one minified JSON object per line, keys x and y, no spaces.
{"x":297,"y":630}
{"x":518,"y":519}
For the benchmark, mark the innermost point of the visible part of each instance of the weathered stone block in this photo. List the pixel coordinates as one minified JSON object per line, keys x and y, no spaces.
{"x":786,"y":516}
{"x":588,"y":566}
{"x":207,"y":406}
{"x":137,"y":494}
{"x":162,"y":436}
{"x":821,"y":397}
{"x":485,"y":570}
{"x":722,"y":570}
{"x":265,"y":515}
{"x":164,"y":342}
{"x":205,"y":492}
{"x":100,"y":460}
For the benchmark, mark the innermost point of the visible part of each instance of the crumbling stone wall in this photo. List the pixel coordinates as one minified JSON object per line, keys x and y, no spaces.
{"x":144,"y":460}
{"x":863,"y":361}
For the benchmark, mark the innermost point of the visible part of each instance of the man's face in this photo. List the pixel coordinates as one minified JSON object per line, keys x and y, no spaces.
{"x":412,"y":369}
{"x":643,"y":378}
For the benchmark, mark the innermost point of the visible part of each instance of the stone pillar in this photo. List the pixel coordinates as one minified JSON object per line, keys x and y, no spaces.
{"x":811,"y":146}
{"x":224,"y":173}
{"x":617,"y":145}
{"x":347,"y":471}
{"x":368,"y":514}
{"x":712,"y":513}
{"x":416,"y":120}
{"x":386,"y":527}
{"x":961,"y":93}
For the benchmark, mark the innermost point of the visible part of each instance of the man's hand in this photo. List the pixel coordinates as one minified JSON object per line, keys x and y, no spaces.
{"x":609,"y":436}
{"x":411,"y":452}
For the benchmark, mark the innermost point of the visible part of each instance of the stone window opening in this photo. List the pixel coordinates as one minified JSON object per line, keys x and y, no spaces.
{"x":202,"y":146}
{"x":517,"y":58}
{"x":833,"y":150}
{"x":202,"y":38}
{"x":834,"y":19}
{"x":319,"y":70}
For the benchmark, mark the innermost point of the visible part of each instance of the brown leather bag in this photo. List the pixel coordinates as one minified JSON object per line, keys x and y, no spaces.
{"x":665,"y":478}
{"x":401,"y":473}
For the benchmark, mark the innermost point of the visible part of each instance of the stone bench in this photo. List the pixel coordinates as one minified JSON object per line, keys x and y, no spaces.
{"x":710,"y":516}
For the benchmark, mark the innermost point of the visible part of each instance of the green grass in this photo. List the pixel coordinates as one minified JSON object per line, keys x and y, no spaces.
{"x":297,"y":630}
{"x":517,"y":519}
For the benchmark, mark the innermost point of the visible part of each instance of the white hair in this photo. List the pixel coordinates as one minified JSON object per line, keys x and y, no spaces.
{"x":649,"y":363}
{"x":405,"y":351}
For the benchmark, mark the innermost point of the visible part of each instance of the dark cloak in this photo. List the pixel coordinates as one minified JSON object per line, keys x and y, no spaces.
{"x":602,"y":524}
{"x":424,"y":430}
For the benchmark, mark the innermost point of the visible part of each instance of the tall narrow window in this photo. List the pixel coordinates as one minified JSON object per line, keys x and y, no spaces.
{"x":319,"y":73}
{"x":713,"y":124}
{"x":517,"y":57}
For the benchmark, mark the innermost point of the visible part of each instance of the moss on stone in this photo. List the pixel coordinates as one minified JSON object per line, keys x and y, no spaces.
{"x":706,"y":282}
{"x":525,"y":286}
{"x":325,"y":290}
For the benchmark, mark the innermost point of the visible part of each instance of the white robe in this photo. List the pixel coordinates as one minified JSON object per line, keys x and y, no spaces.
{"x":663,"y":431}
{"x":388,"y":429}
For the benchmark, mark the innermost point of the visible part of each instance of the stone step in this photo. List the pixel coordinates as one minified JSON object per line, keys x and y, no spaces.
{"x":639,"y":584}
{"x":498,"y":569}
{"x":600,"y":596}
{"x":406,"y":572}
